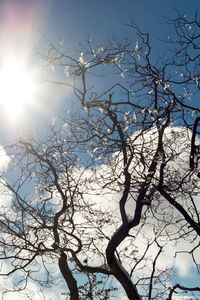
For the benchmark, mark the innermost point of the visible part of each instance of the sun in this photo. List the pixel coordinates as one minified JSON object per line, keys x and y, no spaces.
{"x":18,"y":88}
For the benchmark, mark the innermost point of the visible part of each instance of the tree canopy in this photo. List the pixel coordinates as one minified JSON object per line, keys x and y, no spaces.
{"x":109,"y":198}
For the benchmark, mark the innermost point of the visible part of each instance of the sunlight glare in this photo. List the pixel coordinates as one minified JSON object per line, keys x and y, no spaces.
{"x":17,"y":88}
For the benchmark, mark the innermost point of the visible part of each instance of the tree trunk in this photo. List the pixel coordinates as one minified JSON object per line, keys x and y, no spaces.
{"x":116,"y":268}
{"x":68,"y":276}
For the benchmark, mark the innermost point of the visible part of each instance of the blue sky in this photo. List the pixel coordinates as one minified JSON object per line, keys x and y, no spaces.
{"x":74,"y":20}
{"x":78,"y":18}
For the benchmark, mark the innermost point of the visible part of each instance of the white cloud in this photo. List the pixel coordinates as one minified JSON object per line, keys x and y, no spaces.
{"x":177,"y":149}
{"x":184,"y":263}
{"x":177,"y":297}
{"x":4,"y":160}
{"x":106,"y":200}
{"x":5,"y":196}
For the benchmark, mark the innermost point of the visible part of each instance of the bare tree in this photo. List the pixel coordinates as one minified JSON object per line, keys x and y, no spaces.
{"x":113,"y":190}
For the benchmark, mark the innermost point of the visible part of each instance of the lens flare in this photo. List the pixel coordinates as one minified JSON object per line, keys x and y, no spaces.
{"x":18,"y":88}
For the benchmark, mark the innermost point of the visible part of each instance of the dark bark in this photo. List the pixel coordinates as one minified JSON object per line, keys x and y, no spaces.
{"x":116,"y":268}
{"x":194,"y":149}
{"x":183,"y":288}
{"x":181,"y":209}
{"x":68,"y":276}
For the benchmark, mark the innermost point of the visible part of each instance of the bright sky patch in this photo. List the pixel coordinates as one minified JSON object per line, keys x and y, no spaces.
{"x":17,"y":88}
